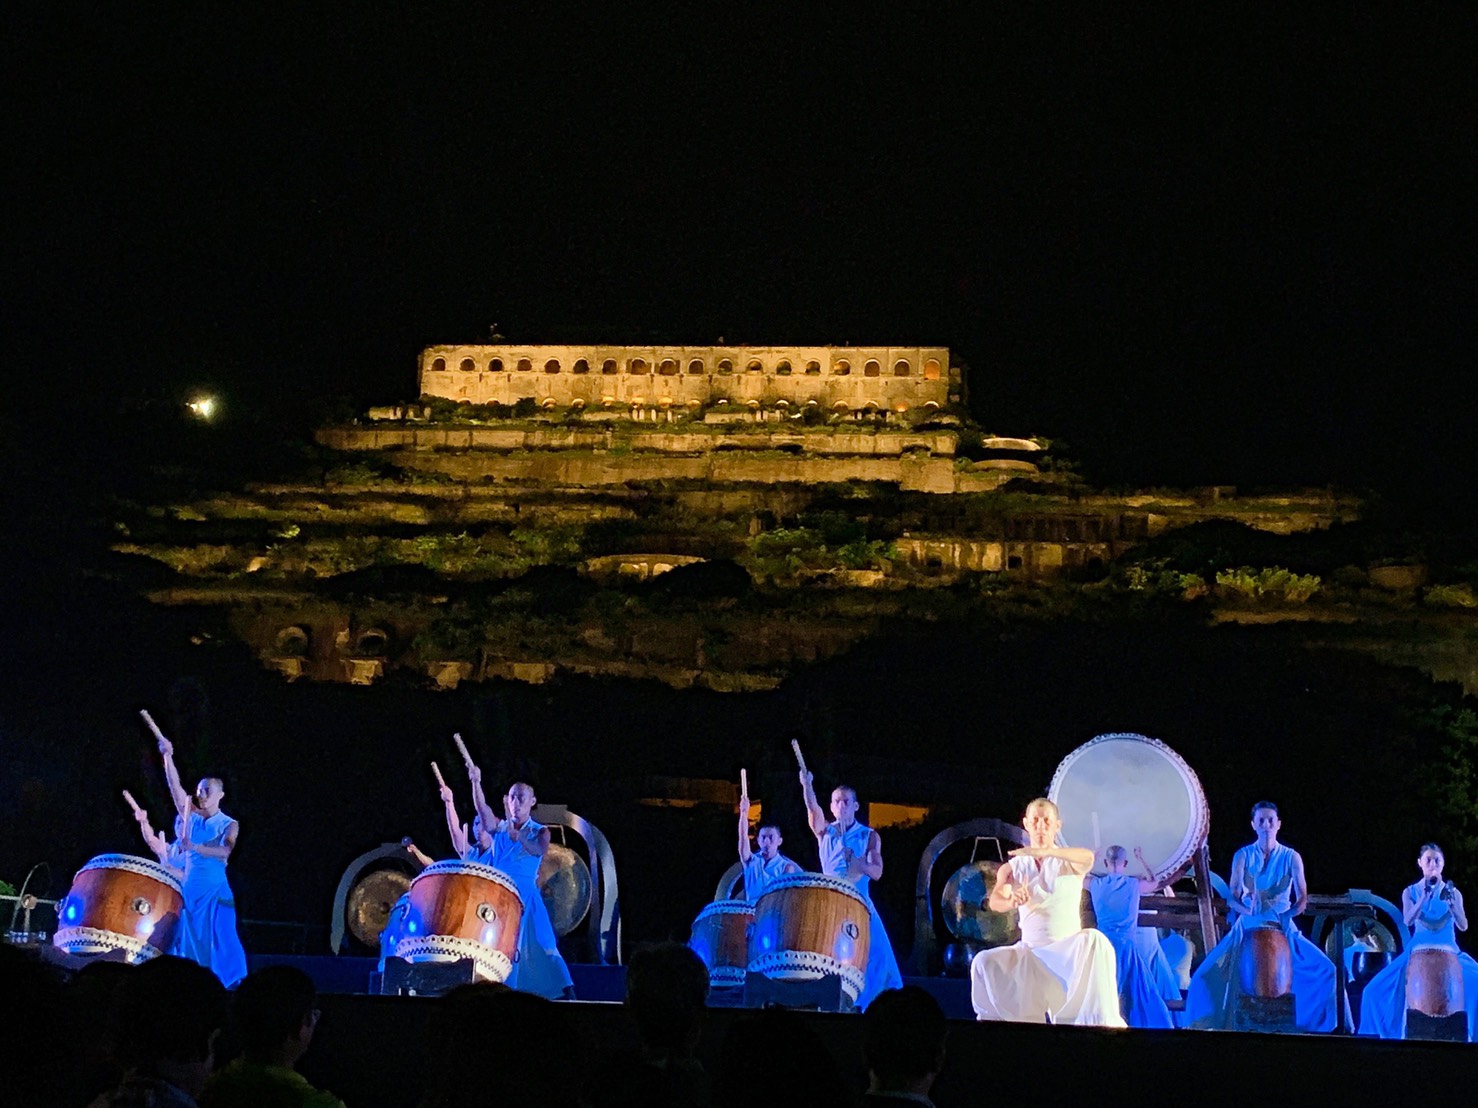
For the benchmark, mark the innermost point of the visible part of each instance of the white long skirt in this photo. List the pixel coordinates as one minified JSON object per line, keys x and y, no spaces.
{"x":1073,"y":980}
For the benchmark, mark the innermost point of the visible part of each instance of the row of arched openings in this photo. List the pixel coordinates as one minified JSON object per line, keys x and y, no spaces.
{"x":669,"y":367}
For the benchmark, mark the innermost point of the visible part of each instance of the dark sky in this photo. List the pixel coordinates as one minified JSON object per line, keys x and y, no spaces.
{"x":1197,"y":247}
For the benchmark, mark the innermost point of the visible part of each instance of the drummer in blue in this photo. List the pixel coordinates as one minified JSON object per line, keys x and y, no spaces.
{"x":204,"y":839}
{"x":765,"y":865}
{"x":518,"y":845}
{"x":854,"y":853}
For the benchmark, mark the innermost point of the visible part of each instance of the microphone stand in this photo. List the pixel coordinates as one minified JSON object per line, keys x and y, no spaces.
{"x":25,"y":903}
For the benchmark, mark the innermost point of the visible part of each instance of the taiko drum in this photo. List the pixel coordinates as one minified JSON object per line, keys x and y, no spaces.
{"x":120,"y":902}
{"x":1266,"y":968}
{"x":1434,"y":982}
{"x":721,"y":938}
{"x":808,"y":925}
{"x":463,"y":910}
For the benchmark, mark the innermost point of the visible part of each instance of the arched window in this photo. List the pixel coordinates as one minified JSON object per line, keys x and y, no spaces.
{"x":438,"y":366}
{"x":608,"y":367}
{"x":695,"y":367}
{"x":840,"y":406}
{"x":813,"y":369}
{"x":871,"y":369}
{"x":495,"y":366}
{"x":637,"y":366}
{"x":576,"y":404}
{"x":931,"y":370}
{"x":755,"y":366}
{"x":551,"y":366}
{"x":547,"y":403}
{"x":842,"y":368}
{"x":524,"y":365}
{"x":725,"y":366}
{"x":468,"y":366}
{"x":782,"y":369}
{"x":580,"y":367}
{"x":668,"y":368}
{"x":900,"y":368}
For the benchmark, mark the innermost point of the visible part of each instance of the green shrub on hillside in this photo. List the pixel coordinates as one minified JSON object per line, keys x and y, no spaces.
{"x":1272,"y":582}
{"x":1451,"y":596}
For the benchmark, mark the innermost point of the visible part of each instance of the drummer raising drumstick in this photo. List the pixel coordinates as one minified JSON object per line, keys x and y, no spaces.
{"x":158,"y":845}
{"x":204,"y":838}
{"x":1267,"y":890}
{"x":854,"y":853}
{"x":764,"y":866}
{"x":517,"y":846}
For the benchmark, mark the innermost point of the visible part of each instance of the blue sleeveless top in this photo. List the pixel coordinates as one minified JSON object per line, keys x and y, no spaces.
{"x":833,"y":844}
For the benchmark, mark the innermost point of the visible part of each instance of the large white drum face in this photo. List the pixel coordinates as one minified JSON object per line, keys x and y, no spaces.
{"x":1134,"y":791}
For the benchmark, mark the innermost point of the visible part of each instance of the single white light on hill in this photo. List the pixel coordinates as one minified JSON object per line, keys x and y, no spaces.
{"x":203,"y":407}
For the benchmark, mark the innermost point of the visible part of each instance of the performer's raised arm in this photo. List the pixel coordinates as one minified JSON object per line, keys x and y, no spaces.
{"x":177,"y":791}
{"x":1147,"y":883}
{"x":490,"y":819}
{"x":815,"y":815}
{"x":1078,"y":858}
{"x":158,"y":845}
{"x":422,"y":858}
{"x":746,"y":852}
{"x":454,"y":825}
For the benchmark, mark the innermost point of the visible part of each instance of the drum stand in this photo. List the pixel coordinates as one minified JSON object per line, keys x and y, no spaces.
{"x":402,"y":978}
{"x":1444,"y":1029}
{"x":823,"y":994}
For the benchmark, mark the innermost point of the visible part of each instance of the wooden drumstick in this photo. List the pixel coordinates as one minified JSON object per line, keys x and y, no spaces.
{"x":743,"y":782}
{"x":132,"y":803}
{"x":799,"y":757}
{"x":462,"y":747}
{"x":149,"y":720}
{"x":440,"y":780}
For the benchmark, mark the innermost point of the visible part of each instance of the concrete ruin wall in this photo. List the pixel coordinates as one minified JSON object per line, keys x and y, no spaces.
{"x":836,"y":378}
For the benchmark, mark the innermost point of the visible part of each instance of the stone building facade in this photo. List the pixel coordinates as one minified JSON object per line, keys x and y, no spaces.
{"x":833,"y":378}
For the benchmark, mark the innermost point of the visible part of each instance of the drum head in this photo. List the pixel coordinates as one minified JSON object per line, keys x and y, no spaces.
{"x":564,"y":882}
{"x":1133,"y":791}
{"x":961,"y":906}
{"x":368,"y":906}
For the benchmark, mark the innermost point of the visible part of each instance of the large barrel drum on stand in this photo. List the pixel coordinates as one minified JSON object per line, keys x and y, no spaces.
{"x":809,"y":925}
{"x":462,"y":910}
{"x":119,"y":902}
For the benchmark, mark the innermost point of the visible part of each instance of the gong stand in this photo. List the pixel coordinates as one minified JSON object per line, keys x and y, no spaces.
{"x":391,"y":856}
{"x":605,"y":914}
{"x":925,"y":952}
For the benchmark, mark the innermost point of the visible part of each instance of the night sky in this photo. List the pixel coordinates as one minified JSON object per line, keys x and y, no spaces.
{"x":1196,"y":247}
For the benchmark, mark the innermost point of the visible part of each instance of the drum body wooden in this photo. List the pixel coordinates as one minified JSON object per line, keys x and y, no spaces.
{"x":120,"y":902}
{"x":721,"y":939}
{"x":808,"y":925}
{"x":463,"y":910}
{"x":1434,"y":982}
{"x":1131,"y":790}
{"x":1266,"y":966}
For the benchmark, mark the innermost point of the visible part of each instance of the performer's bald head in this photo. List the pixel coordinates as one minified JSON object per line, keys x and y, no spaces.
{"x":1045,"y":805}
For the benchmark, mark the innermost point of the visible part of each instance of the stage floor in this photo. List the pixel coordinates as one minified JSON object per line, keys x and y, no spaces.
{"x":368,"y":1049}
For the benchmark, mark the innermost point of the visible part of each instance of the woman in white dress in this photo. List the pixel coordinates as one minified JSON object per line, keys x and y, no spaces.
{"x":1060,"y":971}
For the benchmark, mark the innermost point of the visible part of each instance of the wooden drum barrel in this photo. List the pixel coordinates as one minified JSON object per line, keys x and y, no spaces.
{"x":119,"y":902}
{"x":808,"y":925}
{"x":721,"y":939}
{"x":1434,"y":982}
{"x":1266,"y":967}
{"x":463,"y":910}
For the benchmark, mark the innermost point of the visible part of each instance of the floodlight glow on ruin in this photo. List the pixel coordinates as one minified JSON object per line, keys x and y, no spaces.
{"x":203,"y":406}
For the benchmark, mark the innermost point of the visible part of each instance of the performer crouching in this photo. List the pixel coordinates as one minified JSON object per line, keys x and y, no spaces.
{"x":1060,"y":971}
{"x":854,"y":852}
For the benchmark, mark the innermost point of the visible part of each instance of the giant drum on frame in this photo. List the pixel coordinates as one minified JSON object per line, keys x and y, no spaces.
{"x":808,"y":925}
{"x":463,"y":910}
{"x":120,"y":902}
{"x":1131,"y":790}
{"x":721,"y":938}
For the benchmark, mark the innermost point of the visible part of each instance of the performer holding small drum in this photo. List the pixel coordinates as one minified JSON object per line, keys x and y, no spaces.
{"x":204,"y":837}
{"x":763,"y":866}
{"x":853,"y":852}
{"x":1431,"y":975}
{"x":517,"y":845}
{"x":1264,"y":955}
{"x":1060,"y":971}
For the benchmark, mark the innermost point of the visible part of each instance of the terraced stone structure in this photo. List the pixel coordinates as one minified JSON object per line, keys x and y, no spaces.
{"x":892,"y":379}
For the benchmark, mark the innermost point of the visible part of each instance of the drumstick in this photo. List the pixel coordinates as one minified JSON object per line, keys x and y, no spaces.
{"x":132,"y":803}
{"x":799,"y":757}
{"x":154,"y":727}
{"x":440,"y":781}
{"x":1095,"y":833}
{"x":744,"y":782}
{"x":461,"y":746}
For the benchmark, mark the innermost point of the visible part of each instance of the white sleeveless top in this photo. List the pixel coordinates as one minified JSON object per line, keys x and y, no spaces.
{"x":1055,"y":909}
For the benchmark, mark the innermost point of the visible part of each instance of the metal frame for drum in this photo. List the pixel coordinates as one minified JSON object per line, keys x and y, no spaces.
{"x":394,"y":851}
{"x":925,"y":941}
{"x":605,"y":913}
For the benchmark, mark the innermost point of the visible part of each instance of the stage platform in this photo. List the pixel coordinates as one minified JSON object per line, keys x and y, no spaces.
{"x":368,"y":1050}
